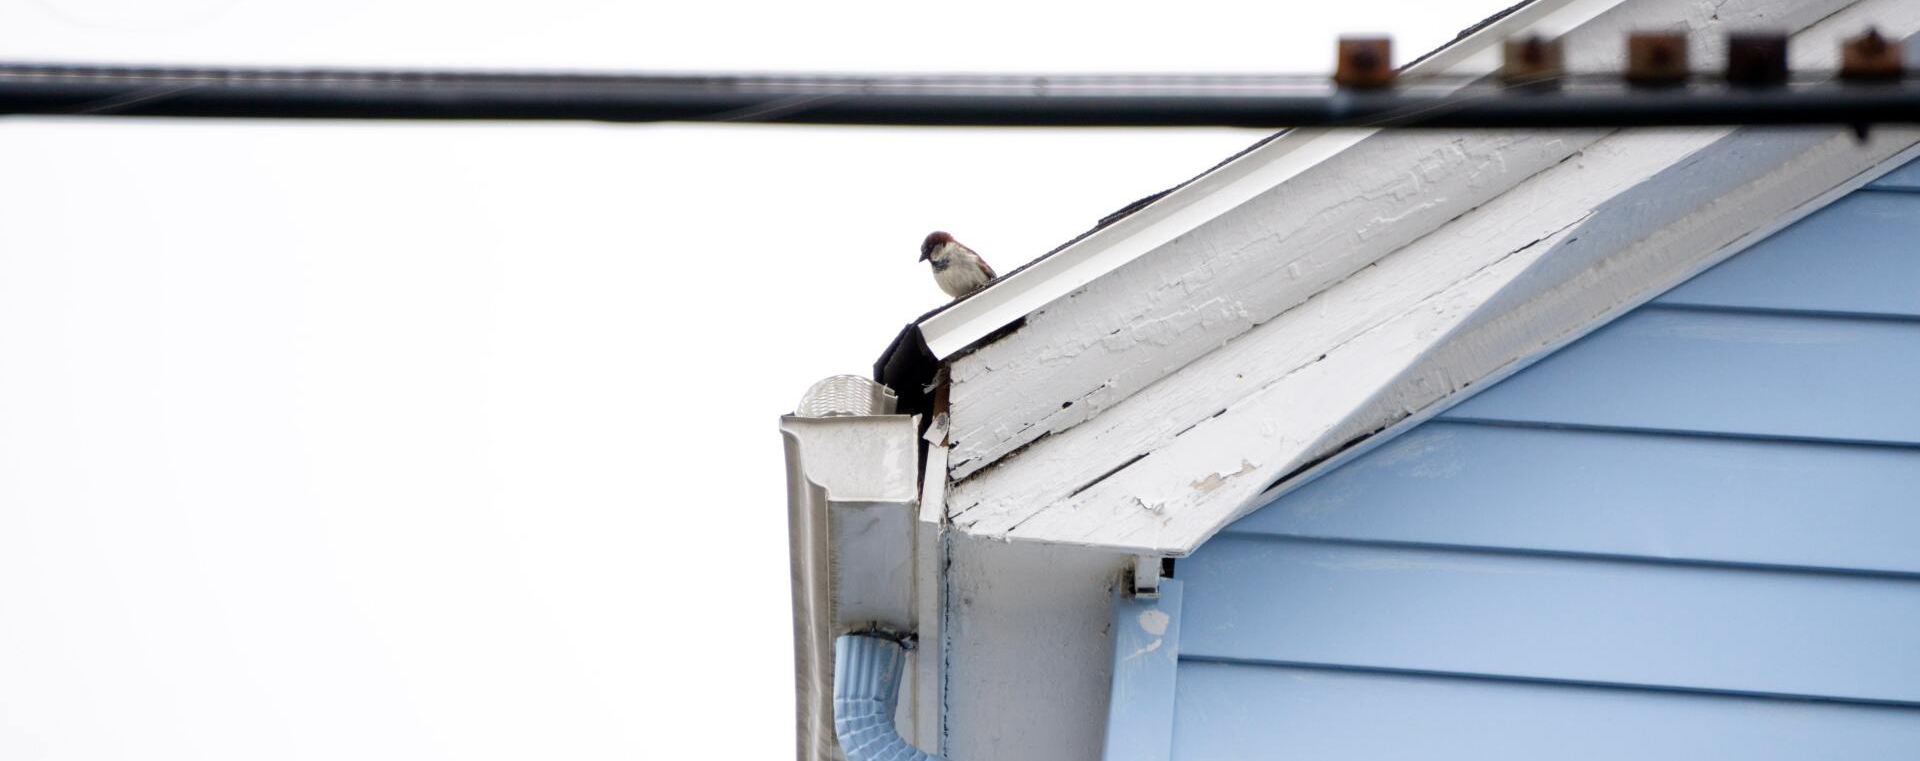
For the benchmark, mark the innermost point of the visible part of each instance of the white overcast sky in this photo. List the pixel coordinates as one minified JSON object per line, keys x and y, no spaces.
{"x":412,"y":441}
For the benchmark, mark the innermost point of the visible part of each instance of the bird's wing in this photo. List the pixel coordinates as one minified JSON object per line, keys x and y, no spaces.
{"x":984,"y":266}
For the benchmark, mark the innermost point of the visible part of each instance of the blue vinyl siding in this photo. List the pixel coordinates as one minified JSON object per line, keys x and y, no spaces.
{"x":1865,"y":263}
{"x":1794,"y":504}
{"x":1267,"y":712}
{"x":1569,"y":619}
{"x":1692,"y":534}
{"x":1772,"y":375}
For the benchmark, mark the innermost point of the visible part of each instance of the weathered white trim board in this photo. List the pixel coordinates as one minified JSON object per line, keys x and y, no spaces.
{"x":925,"y":684}
{"x":1028,"y":649}
{"x":1380,"y":330}
{"x":1279,"y":225}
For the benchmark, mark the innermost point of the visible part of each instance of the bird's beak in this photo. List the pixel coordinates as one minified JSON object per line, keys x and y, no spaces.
{"x":923,"y":256}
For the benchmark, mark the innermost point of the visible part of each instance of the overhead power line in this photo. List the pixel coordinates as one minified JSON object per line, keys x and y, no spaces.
{"x":1530,"y":91}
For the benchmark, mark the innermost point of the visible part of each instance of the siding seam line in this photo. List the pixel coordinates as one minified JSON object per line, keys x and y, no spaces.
{"x":1679,"y":432}
{"x":1711,"y":692}
{"x":1576,"y":555}
{"x":1786,"y":312}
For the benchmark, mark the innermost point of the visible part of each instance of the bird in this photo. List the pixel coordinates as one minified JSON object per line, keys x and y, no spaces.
{"x":957,"y":269}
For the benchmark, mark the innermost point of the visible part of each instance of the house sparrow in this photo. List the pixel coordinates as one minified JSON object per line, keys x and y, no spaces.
{"x":957,"y":269}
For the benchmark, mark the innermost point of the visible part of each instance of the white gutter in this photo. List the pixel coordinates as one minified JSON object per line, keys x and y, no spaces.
{"x":852,"y":489}
{"x":1212,"y":194}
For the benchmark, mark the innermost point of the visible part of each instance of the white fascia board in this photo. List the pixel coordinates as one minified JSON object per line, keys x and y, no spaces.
{"x":1629,"y":217}
{"x":1301,"y":232}
{"x":926,"y":682}
{"x":1225,"y":187}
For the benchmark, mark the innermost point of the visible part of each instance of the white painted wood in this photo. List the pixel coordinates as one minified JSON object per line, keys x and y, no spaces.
{"x":1077,"y":358}
{"x":1174,"y":498}
{"x":926,"y":676}
{"x":1457,"y":267}
{"x":1287,"y":236}
{"x":1208,"y":196}
{"x":1708,"y":189}
{"x":1029,"y":654}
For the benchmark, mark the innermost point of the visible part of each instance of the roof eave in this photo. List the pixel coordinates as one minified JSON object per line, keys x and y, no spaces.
{"x":1583,"y":245}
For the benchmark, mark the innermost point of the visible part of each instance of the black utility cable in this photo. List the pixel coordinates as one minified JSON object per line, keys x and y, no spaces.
{"x":1263,"y":101}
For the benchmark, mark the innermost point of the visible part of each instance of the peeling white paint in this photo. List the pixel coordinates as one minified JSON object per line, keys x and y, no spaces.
{"x":1150,"y":647}
{"x":1214,"y":480}
{"x":1241,"y":269}
{"x":1251,"y":262}
{"x":1154,"y":622}
{"x":1393,"y":337}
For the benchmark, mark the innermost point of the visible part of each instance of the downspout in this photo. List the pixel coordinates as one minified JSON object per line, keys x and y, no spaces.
{"x":866,"y":691}
{"x":860,"y":558}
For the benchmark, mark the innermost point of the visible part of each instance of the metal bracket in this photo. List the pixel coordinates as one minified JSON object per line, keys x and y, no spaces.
{"x":1146,"y":576}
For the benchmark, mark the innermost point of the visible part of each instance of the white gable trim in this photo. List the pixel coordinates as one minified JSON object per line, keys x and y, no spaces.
{"x":1248,"y":262}
{"x":1568,"y":247}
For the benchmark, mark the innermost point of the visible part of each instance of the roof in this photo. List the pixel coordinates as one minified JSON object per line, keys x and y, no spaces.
{"x":1152,"y":379}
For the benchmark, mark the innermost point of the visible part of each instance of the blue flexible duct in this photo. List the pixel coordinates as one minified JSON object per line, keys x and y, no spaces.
{"x":866,"y":687}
